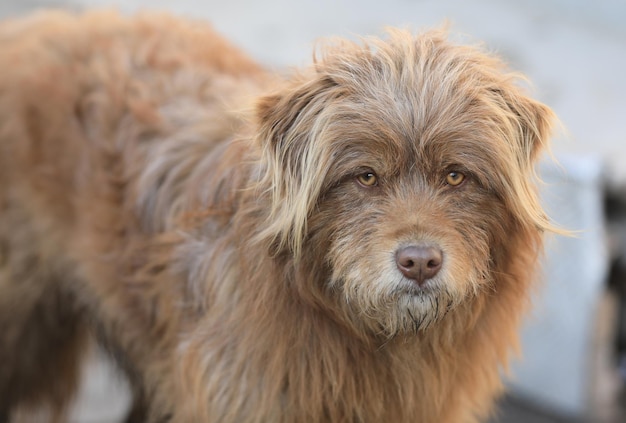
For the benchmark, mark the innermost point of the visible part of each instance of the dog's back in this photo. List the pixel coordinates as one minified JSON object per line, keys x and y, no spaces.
{"x":102,"y":121}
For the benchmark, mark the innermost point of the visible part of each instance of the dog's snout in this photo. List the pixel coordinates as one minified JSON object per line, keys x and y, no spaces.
{"x":419,"y":262}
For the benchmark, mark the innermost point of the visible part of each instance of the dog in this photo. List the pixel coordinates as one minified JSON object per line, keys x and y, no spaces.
{"x":354,"y":242}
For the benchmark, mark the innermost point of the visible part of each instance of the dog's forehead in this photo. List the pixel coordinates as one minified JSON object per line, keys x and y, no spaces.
{"x":411,"y":128}
{"x":419,"y":97}
{"x":421,"y":103}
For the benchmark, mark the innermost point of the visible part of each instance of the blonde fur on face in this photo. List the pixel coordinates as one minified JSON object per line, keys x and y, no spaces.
{"x":245,"y":246}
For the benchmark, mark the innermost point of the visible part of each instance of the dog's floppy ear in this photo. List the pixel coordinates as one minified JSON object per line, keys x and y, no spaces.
{"x":294,"y":156}
{"x":534,"y":122}
{"x":531,"y":123}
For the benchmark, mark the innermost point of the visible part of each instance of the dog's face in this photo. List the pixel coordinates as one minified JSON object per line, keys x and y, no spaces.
{"x":403,"y":171}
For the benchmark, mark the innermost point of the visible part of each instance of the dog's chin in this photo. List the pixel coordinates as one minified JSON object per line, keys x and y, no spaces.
{"x":415,"y":309}
{"x":420,"y":308}
{"x":403,"y":308}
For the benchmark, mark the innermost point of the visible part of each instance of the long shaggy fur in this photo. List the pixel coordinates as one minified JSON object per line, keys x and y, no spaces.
{"x":203,"y":220}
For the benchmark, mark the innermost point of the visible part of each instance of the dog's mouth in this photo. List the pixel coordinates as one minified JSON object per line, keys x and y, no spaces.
{"x":426,"y":307}
{"x":412,"y":290}
{"x":431,"y":297}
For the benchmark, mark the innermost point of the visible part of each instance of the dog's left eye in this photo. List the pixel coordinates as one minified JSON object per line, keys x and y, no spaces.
{"x":455,"y":178}
{"x":368,"y":179}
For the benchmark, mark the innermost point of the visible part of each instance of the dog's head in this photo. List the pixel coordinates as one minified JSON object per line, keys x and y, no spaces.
{"x":403,"y":167}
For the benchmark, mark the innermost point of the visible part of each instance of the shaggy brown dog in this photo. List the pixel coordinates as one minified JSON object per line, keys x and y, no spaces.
{"x":358,"y":246}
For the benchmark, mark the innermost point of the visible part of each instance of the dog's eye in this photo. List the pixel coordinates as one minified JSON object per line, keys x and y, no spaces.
{"x":368,"y":179}
{"x":455,"y":178}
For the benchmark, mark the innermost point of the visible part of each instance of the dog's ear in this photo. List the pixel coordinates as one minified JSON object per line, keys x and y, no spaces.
{"x":534,"y":122}
{"x":530,"y":123}
{"x":294,"y":156}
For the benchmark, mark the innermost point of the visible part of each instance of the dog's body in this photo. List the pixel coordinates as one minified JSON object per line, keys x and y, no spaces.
{"x":359,"y":248}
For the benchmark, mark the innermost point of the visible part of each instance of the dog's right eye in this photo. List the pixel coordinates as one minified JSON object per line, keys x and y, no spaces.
{"x":367,"y":179}
{"x":455,"y":178}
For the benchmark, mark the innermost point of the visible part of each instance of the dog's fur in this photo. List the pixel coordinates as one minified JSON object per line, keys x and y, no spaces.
{"x":203,"y":220}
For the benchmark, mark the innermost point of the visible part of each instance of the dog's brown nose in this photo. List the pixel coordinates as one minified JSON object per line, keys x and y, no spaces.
{"x":419,"y":262}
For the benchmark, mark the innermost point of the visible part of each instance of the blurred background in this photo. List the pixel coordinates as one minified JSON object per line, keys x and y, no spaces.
{"x":572,"y":367}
